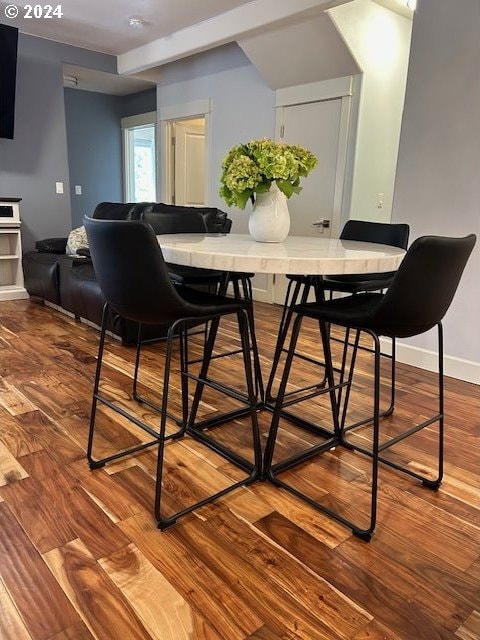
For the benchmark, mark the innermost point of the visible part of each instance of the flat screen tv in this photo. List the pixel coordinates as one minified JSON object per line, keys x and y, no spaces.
{"x":8,"y":74}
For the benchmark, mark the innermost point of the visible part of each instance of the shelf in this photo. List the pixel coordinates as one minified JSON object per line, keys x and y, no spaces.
{"x":11,"y":273}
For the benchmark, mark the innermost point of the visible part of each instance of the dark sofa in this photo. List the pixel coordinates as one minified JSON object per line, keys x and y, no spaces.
{"x":69,"y":281}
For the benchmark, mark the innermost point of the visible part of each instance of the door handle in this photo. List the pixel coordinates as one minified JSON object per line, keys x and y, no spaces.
{"x":321,"y":224}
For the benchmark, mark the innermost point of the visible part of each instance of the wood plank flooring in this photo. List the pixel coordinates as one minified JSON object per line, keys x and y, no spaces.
{"x":81,"y":558}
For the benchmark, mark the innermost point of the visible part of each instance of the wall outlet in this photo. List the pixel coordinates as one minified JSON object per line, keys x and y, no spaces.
{"x":59,"y":187}
{"x":380,"y":198}
{"x":78,"y":190}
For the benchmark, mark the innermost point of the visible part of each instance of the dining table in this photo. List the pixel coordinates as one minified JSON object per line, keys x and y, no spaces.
{"x":296,"y":255}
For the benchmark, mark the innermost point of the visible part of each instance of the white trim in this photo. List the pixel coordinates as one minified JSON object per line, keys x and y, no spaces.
{"x":185,"y":110}
{"x":139,"y":120}
{"x":341,"y":169}
{"x":466,"y":370}
{"x":166,"y":161}
{"x":314,"y":91}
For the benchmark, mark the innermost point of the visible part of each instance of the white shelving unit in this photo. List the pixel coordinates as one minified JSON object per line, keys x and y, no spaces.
{"x":11,"y":272}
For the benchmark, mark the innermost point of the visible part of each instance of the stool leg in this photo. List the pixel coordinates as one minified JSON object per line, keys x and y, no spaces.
{"x":137,"y":363}
{"x":367,"y":533}
{"x":161,"y":521}
{"x":207,"y":356}
{"x":243,"y":322}
{"x":272,"y":434}
{"x":434,"y":484}
{"x":183,"y":337}
{"x":254,"y":469}
{"x":248,"y":296}
{"x":286,"y":319}
{"x":142,"y":399}
{"x":93,"y":464}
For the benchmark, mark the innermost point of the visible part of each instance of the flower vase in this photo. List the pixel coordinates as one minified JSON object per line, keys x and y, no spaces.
{"x":269,"y":220}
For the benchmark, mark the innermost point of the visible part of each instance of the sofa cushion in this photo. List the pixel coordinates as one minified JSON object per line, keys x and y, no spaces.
{"x":51,"y":245}
{"x":174,"y":222}
{"x":119,"y":210}
{"x":215,"y":220}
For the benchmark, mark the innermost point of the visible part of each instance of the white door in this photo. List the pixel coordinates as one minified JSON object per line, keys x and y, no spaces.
{"x":317,"y":126}
{"x":190,"y":163}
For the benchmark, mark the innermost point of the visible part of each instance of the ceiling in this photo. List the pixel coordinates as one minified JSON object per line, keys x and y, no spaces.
{"x":101,"y":82}
{"x":102,"y":25}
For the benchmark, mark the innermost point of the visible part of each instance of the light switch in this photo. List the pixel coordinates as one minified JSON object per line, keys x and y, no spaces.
{"x":59,"y":187}
{"x":78,"y":189}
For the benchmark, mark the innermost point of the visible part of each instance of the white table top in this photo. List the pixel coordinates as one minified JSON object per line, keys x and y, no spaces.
{"x":296,"y":255}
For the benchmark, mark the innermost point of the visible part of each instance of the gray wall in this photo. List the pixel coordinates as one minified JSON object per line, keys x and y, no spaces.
{"x":242,"y":106}
{"x":94,"y":149}
{"x":37,"y":157}
{"x":141,"y":102}
{"x":438,"y":186}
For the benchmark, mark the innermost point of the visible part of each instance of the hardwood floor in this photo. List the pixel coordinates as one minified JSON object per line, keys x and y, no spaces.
{"x":81,"y":558}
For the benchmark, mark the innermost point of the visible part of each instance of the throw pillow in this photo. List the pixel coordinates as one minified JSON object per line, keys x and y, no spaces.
{"x":77,"y":239}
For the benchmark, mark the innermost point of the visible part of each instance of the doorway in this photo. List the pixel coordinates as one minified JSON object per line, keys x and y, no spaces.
{"x":186,"y":161}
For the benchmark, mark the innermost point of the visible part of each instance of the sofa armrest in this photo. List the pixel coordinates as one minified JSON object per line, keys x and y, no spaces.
{"x":51,"y":245}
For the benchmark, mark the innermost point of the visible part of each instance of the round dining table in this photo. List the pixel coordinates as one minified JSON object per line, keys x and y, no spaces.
{"x":296,"y":255}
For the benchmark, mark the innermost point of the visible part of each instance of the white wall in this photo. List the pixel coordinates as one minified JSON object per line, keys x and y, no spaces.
{"x":242,"y":107}
{"x":380,"y":41}
{"x":311,"y":50}
{"x":438,"y":184}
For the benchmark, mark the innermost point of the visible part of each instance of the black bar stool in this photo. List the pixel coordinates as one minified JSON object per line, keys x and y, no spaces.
{"x":417,"y":299}
{"x":299,"y":287}
{"x":135,"y":282}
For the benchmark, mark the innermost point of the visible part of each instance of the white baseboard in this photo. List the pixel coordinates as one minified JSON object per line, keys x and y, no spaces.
{"x":259,"y":295}
{"x":424,"y":359}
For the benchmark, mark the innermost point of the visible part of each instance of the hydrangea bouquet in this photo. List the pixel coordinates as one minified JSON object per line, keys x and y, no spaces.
{"x":253,"y":167}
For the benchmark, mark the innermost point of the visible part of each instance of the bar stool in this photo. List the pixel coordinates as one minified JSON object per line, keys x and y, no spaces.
{"x":135,"y":282}
{"x":417,"y":299}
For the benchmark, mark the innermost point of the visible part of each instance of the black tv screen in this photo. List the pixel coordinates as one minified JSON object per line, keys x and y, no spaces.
{"x":8,"y":74}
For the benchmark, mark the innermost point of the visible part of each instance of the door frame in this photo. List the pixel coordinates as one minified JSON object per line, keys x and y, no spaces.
{"x":167,"y":115}
{"x":336,"y":89}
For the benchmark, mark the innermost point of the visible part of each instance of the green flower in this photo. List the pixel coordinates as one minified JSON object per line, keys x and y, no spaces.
{"x":252,"y":167}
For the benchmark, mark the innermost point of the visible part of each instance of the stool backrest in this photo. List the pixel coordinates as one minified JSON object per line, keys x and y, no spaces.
{"x":131,"y":271}
{"x":395,"y":235}
{"x":424,"y":285}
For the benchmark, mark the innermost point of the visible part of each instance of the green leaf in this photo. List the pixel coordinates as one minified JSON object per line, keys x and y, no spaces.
{"x":242,"y":198}
{"x":286,"y":187}
{"x":263,"y":187}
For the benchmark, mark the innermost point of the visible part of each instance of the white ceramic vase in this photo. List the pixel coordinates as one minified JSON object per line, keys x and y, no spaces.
{"x":270,"y":219}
